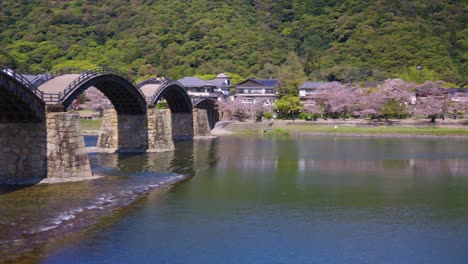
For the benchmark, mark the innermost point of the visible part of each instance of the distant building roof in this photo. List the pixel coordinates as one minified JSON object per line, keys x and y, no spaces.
{"x":223,"y":76}
{"x":195,"y":82}
{"x":458,"y":90}
{"x":425,"y":92}
{"x":260,"y":82}
{"x":268,"y":82}
{"x":219,"y":82}
{"x":311,"y":85}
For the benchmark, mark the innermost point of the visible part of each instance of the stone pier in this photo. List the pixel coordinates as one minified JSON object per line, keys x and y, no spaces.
{"x":23,"y":153}
{"x":66,"y":151}
{"x":182,"y":126}
{"x":159,"y":130}
{"x":123,"y":133}
{"x":201,"y":125}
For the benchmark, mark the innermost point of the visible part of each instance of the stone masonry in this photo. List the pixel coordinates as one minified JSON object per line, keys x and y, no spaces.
{"x":201,"y":125}
{"x":123,"y":133}
{"x":66,"y":150}
{"x":182,"y":126}
{"x":159,"y":130}
{"x":108,"y":138}
{"x":22,"y":153}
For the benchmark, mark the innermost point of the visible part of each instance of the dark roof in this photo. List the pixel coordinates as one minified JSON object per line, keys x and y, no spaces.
{"x":421,"y":91}
{"x":194,"y":82}
{"x":262,"y":82}
{"x":311,"y":85}
{"x":219,"y":82}
{"x":457,"y":90}
{"x":268,"y":82}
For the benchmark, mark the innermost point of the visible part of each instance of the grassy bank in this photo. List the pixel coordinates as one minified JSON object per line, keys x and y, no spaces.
{"x":90,"y":124}
{"x":378,"y":130}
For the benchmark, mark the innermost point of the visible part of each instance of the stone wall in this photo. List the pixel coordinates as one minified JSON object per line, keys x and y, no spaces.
{"x":201,"y":125}
{"x":23,"y":150}
{"x":108,"y":138}
{"x":123,"y":133}
{"x":66,"y":150}
{"x":182,"y":126}
{"x":133,"y":133}
{"x":159,"y":130}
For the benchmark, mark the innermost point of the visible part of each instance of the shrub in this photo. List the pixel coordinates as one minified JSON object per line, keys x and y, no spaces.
{"x":268,"y":115}
{"x":162,"y":105}
{"x":303,"y":116}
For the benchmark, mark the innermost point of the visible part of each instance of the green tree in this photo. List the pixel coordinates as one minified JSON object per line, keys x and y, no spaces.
{"x":412,"y":74}
{"x":83,"y":64}
{"x":288,"y":106}
{"x":394,"y":109}
{"x":291,"y":75}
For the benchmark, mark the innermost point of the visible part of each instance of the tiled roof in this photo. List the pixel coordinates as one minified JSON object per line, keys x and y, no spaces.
{"x":218,"y":82}
{"x":311,"y":85}
{"x":195,"y":82}
{"x":268,"y":82}
{"x":262,"y":82}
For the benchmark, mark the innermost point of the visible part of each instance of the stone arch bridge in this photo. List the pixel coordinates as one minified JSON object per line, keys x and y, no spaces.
{"x":39,"y":139}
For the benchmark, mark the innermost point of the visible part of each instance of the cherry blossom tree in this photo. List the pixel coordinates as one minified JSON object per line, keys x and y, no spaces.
{"x":235,"y":109}
{"x":392,"y":99}
{"x":432,"y":102}
{"x":92,"y":99}
{"x":339,"y":99}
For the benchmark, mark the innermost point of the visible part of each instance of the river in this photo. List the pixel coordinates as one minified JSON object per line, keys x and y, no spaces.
{"x":302,"y":199}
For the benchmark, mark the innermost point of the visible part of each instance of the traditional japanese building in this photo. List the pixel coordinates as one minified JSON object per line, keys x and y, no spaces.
{"x":256,"y":90}
{"x":217,"y":89}
{"x":308,"y":90}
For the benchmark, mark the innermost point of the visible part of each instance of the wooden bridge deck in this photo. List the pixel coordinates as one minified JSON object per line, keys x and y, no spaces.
{"x":58,"y":84}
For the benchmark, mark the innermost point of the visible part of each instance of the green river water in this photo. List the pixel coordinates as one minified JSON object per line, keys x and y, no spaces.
{"x":298,"y":199}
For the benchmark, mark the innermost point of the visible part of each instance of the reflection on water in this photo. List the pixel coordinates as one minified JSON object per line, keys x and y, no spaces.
{"x":282,"y":200}
{"x":32,"y":216}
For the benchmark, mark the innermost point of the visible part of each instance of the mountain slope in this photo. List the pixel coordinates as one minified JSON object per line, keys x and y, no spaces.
{"x":336,"y":40}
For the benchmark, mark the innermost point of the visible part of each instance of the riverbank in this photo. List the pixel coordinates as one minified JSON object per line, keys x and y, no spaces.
{"x":405,"y":128}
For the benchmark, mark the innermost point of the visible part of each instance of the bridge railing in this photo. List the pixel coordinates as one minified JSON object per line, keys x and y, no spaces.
{"x":50,"y":97}
{"x":148,"y":99}
{"x":42,"y":78}
{"x":161,"y":88}
{"x":162,"y":81}
{"x":88,"y":75}
{"x":21,"y":79}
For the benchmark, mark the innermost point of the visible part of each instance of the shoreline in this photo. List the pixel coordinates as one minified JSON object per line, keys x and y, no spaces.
{"x":383,"y":135}
{"x":355,"y":128}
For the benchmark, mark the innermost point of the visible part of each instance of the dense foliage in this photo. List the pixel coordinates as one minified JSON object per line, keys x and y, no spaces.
{"x":343,"y":40}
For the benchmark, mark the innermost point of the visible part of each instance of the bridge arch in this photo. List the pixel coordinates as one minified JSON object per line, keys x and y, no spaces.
{"x":176,"y":97}
{"x":20,"y":101}
{"x":211,"y":110}
{"x":23,"y":142}
{"x":178,"y":101}
{"x":116,"y":86}
{"x":124,"y":127}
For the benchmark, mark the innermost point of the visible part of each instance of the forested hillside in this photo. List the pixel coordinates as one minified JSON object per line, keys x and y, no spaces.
{"x":345,"y":40}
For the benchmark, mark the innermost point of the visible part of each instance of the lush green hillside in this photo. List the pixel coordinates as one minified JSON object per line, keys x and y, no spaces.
{"x":336,"y":39}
